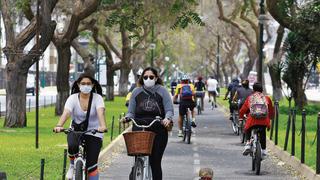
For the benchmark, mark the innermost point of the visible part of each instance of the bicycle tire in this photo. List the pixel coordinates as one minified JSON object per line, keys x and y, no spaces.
{"x":138,"y":170}
{"x":189,"y":132}
{"x":258,"y":158}
{"x":79,"y":171}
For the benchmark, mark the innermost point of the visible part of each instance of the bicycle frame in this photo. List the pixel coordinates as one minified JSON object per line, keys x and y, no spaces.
{"x":146,"y":168}
{"x":187,"y":126}
{"x":81,"y":158}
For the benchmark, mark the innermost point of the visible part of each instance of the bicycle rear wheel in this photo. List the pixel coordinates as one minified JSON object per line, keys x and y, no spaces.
{"x":189,"y":132}
{"x":241,"y":131}
{"x":79,"y":171}
{"x":258,"y":158}
{"x":138,"y":170}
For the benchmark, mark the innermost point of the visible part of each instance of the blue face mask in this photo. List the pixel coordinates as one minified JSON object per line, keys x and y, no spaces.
{"x":86,"y":89}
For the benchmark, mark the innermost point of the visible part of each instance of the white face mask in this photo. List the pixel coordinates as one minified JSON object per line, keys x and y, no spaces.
{"x":86,"y":89}
{"x":149,"y":82}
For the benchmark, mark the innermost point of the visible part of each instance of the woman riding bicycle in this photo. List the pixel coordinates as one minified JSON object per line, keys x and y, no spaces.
{"x":76,"y":106}
{"x":147,"y":101}
{"x":255,"y":104}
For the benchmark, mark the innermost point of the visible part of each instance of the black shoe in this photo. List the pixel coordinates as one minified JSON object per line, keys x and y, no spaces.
{"x":231,"y":118}
{"x":193,"y":124}
{"x":215,"y":106}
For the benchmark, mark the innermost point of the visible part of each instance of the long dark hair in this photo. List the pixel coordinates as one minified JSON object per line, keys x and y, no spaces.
{"x":156,"y":74}
{"x":95,"y":89}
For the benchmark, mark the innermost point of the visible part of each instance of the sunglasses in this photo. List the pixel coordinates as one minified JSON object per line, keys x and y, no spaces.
{"x":150,"y":77}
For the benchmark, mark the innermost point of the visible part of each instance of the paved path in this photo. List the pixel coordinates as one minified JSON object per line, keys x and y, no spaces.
{"x":213,"y":145}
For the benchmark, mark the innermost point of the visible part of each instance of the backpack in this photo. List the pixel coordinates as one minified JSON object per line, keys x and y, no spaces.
{"x":258,"y":106}
{"x":186,"y":92}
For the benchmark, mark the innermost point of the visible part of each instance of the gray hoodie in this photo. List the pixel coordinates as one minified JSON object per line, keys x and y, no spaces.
{"x":163,"y":92}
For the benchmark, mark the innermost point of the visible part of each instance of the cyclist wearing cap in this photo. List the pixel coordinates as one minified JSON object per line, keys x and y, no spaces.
{"x":263,"y":122}
{"x":185,"y":91}
{"x":200,"y":90}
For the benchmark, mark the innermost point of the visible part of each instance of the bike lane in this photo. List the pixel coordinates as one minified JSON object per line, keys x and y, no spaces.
{"x":213,"y":145}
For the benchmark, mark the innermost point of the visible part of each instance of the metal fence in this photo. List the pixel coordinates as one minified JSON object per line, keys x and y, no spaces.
{"x":291,"y":128}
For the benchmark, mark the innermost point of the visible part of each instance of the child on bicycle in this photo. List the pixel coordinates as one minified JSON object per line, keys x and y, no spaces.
{"x":149,"y":100}
{"x":186,"y":93}
{"x":259,"y":111}
{"x":76,"y":106}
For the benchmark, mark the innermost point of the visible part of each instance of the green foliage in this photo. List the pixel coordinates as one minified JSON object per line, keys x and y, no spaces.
{"x":22,"y":4}
{"x":310,"y":13}
{"x":107,"y":2}
{"x":187,"y":18}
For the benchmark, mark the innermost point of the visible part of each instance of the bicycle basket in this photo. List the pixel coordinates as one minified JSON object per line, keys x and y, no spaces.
{"x":139,"y":143}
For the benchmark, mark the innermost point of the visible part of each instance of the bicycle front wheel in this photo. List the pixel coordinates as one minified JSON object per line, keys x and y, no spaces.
{"x":79,"y":171}
{"x":138,"y":170}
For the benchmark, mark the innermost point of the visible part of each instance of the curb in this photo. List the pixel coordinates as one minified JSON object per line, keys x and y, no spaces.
{"x":115,"y":146}
{"x":294,"y":162}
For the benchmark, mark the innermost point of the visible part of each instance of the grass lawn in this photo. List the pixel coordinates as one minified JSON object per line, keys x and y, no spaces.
{"x":311,"y":128}
{"x":18,"y":156}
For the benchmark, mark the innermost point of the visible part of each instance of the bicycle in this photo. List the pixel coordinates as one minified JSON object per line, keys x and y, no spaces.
{"x":80,"y":172}
{"x":241,"y":129}
{"x":199,"y":95}
{"x":235,"y":118}
{"x":256,"y":151}
{"x":187,"y":131}
{"x":139,"y":144}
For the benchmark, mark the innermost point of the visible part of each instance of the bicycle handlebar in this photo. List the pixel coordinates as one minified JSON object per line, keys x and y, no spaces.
{"x":69,"y":130}
{"x":158,"y":119}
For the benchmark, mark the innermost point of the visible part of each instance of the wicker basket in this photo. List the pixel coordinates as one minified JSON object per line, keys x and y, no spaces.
{"x":139,"y":143}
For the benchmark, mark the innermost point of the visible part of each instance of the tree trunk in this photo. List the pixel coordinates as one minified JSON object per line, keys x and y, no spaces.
{"x":300,"y":98}
{"x":225,"y":75}
{"x":63,"y":87}
{"x":249,"y":64}
{"x":274,"y":66}
{"x":110,"y":84}
{"x":16,"y":94}
{"x":124,"y":80}
{"x":275,"y":74}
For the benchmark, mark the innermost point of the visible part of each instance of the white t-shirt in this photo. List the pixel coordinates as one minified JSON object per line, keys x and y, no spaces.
{"x":78,"y":115}
{"x":212,"y":84}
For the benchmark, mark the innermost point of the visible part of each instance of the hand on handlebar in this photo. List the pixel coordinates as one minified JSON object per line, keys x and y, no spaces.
{"x":58,"y":129}
{"x":102,"y":129}
{"x":166,"y":122}
{"x":125,"y":120}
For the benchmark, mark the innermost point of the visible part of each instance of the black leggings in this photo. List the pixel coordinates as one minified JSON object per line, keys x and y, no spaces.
{"x":92,"y":149}
{"x":263,"y":140}
{"x":159,"y":145}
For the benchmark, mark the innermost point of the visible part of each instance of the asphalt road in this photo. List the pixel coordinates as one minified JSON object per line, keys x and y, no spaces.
{"x":213,"y":145}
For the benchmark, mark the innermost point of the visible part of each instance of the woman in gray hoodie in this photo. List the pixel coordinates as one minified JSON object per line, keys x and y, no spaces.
{"x":147,"y":101}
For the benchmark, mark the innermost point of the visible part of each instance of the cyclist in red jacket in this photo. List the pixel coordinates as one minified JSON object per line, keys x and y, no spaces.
{"x":265,"y":111}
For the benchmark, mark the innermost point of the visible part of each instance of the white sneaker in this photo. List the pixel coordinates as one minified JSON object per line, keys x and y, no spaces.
{"x":247,"y":149}
{"x":180,"y":133}
{"x":264,"y":154}
{"x":69,"y":174}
